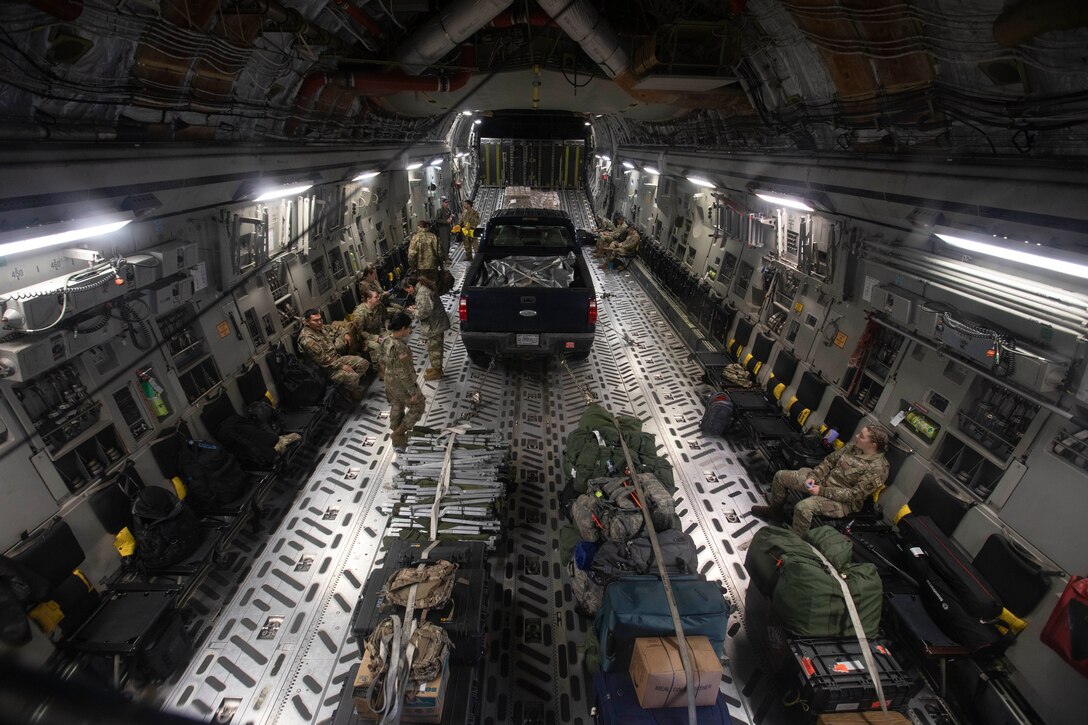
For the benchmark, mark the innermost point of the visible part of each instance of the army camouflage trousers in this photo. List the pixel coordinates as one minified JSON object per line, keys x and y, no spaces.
{"x":403,"y":413}
{"x":470,"y":245}
{"x":436,"y":348}
{"x":350,"y":381}
{"x":807,"y":507}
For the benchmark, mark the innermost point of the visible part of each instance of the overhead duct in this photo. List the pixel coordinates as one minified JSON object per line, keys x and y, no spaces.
{"x":444,"y":31}
{"x":584,"y":24}
{"x":1025,"y":20}
{"x":532,"y":16}
{"x":370,"y":83}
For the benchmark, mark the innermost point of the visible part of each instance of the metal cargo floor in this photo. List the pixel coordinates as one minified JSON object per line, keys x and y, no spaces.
{"x":280,"y":650}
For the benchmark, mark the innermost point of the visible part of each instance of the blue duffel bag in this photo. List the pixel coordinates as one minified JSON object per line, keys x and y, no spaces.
{"x":617,"y":705}
{"x":635,"y":606}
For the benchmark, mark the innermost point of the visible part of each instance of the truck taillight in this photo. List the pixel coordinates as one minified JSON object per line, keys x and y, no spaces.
{"x":592,"y":310}
{"x":462,"y":309}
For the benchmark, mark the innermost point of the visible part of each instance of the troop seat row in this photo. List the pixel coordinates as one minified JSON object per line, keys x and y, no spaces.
{"x":133,"y":627}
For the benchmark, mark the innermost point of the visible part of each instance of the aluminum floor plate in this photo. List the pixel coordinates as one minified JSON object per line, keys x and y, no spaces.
{"x":280,"y":650}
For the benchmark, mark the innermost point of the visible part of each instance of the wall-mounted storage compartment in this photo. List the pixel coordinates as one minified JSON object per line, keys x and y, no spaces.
{"x":971,"y":468}
{"x":995,"y":417}
{"x":59,"y":407}
{"x":98,"y":456}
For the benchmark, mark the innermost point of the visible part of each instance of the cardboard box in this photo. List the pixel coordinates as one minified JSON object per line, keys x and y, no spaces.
{"x":423,"y":702}
{"x":863,"y":718}
{"x":658,"y":672}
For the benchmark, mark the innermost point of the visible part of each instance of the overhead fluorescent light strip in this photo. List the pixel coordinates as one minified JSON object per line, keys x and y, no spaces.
{"x":85,"y":230}
{"x":282,"y":192}
{"x":700,"y":181}
{"x":366,"y":175}
{"x":787,"y":201}
{"x":1015,"y":255}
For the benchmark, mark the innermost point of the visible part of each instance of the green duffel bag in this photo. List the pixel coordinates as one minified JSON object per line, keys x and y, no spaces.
{"x":809,"y":599}
{"x":765,"y":555}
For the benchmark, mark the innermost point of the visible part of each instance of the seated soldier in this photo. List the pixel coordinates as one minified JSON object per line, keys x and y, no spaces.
{"x":369,"y":321}
{"x":606,"y":238}
{"x":838,"y":486}
{"x":628,"y":247}
{"x":325,"y":347}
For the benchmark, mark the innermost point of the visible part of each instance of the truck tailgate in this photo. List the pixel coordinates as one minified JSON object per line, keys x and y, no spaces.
{"x":526,"y":309}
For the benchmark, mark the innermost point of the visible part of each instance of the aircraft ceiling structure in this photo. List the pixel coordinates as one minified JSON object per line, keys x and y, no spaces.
{"x":917,"y":77}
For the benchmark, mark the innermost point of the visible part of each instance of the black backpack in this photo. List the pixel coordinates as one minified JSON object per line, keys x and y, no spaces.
{"x":253,"y":445}
{"x":19,"y":588}
{"x":211,"y":475}
{"x":300,"y":383}
{"x":261,"y":413}
{"x":166,"y":530}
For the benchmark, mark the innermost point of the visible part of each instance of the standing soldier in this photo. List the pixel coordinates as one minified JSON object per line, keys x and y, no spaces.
{"x":424,"y":254}
{"x":838,"y":486}
{"x":470,"y":219}
{"x":433,"y":320}
{"x":324,"y":346}
{"x":443,"y":221}
{"x":401,"y":389}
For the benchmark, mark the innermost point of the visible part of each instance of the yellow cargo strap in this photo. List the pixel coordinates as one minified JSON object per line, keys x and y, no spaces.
{"x":903,"y":511}
{"x":1014,"y":623}
{"x":179,"y":487}
{"x":83,"y":577}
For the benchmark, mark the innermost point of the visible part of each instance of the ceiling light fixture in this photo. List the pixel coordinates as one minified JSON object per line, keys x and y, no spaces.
{"x":282,"y":191}
{"x":995,"y":247}
{"x":606,"y":159}
{"x":466,"y":113}
{"x":50,"y":235}
{"x":628,"y":165}
{"x":414,"y":165}
{"x":651,"y":170}
{"x":478,"y":121}
{"x":588,"y":123}
{"x":436,"y":162}
{"x":788,"y":201}
{"x":366,"y":175}
{"x":700,"y":181}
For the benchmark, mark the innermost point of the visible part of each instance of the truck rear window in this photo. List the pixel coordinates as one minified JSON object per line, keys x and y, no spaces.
{"x":531,"y":235}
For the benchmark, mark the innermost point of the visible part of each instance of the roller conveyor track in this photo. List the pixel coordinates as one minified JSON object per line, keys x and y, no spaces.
{"x":310,"y":571}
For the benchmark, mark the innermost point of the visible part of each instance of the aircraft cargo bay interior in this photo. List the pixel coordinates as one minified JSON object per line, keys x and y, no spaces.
{"x":557,"y":361}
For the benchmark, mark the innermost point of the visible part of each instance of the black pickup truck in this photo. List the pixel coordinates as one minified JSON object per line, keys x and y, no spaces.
{"x":528,"y":292}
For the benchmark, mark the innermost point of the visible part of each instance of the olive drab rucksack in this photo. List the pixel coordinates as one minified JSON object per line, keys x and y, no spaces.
{"x":433,"y":581}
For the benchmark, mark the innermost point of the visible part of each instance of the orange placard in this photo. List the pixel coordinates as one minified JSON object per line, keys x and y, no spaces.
{"x":223,"y":328}
{"x":840,"y":340}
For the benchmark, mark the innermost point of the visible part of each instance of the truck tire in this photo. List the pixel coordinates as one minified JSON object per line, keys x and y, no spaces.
{"x":479,"y":358}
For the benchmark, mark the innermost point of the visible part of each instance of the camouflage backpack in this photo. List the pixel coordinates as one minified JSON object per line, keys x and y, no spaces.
{"x":612,"y":511}
{"x":735,"y":374}
{"x":433,"y":581}
{"x":431,"y":644}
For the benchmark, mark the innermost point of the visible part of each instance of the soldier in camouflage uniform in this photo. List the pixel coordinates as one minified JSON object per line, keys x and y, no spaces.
{"x":370,"y":282}
{"x":325,"y":346}
{"x":369,"y":320}
{"x":470,"y":219}
{"x":401,"y":390}
{"x":838,"y":486}
{"x":625,"y":248}
{"x":604,"y":224}
{"x":616,"y":235}
{"x":433,"y":320}
{"x":423,"y":252}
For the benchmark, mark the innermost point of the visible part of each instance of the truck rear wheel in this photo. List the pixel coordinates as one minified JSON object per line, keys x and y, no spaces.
{"x":479,"y":358}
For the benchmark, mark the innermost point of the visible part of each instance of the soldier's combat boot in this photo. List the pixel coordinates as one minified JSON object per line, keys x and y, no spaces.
{"x":771,"y":513}
{"x":432,"y":374}
{"x":399,"y":438}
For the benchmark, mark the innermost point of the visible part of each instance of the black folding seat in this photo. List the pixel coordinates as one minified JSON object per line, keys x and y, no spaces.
{"x":117,"y":624}
{"x":735,"y":345}
{"x":938,"y":502}
{"x":253,"y":387}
